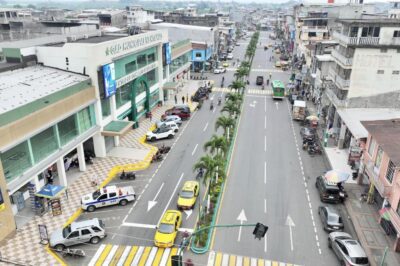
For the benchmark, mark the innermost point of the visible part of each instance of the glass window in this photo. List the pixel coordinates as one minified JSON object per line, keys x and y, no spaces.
{"x":123,"y":94}
{"x":141,"y":87}
{"x":74,"y":234}
{"x":151,"y":58}
{"x":371,"y":147}
{"x":152,"y":77}
{"x":154,"y":97}
{"x":67,"y":130}
{"x":44,"y":144}
{"x":113,"y":194}
{"x":378,"y":159}
{"x":130,"y":67}
{"x":141,"y":60}
{"x":105,"y":107}
{"x":198,"y":54}
{"x":390,"y":172}
{"x":396,"y":33}
{"x":85,"y":232}
{"x":16,"y":160}
{"x":353,"y":31}
{"x":85,"y":119}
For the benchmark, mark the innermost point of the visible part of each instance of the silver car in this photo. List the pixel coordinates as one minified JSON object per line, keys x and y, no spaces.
{"x":347,"y":249}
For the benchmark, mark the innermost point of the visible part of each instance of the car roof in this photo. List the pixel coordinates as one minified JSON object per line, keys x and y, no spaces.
{"x":189,"y":185}
{"x":85,"y":223}
{"x":331,"y":211}
{"x":170,"y":216}
{"x":328,"y":184}
{"x":354,"y":248}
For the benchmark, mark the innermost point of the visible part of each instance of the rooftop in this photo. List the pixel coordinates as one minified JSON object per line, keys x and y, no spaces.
{"x":183,"y":26}
{"x":376,"y":21}
{"x":26,"y":85}
{"x":94,"y":39}
{"x":386,"y":133}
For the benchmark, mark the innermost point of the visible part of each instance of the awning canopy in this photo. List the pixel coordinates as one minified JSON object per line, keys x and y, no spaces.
{"x":170,"y":86}
{"x":117,"y":128}
{"x":50,"y":191}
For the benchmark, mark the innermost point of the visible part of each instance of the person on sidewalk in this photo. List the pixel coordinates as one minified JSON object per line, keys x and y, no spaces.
{"x":176,"y":99}
{"x":183,"y":99}
{"x":150,"y":116}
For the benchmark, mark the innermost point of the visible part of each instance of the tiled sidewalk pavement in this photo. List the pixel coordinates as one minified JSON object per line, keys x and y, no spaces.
{"x":23,"y":247}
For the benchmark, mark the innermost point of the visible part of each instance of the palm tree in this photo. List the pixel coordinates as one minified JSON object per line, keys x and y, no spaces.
{"x":240,"y":73}
{"x":245,"y":64}
{"x":211,"y":166}
{"x":231,"y":108}
{"x":237,"y":85}
{"x":236,"y":98}
{"x":225,"y":122}
{"x":217,"y":145}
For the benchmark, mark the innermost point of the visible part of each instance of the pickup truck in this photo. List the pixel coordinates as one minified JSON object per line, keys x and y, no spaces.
{"x":106,"y":196}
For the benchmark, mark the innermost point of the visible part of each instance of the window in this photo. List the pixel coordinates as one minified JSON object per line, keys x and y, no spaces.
{"x":312,"y":34}
{"x":123,"y":94}
{"x":198,"y":55}
{"x":73,"y":234}
{"x":353,"y":31}
{"x":380,"y":71}
{"x":130,"y":67}
{"x":383,"y":50}
{"x":85,"y":119}
{"x":85,"y":232}
{"x":370,"y":31}
{"x":395,"y":72}
{"x":16,"y":160}
{"x":396,"y":33}
{"x":113,"y":194}
{"x":151,"y":58}
{"x":67,"y":130}
{"x":390,"y":172}
{"x":102,"y":197}
{"x":141,"y":60}
{"x":105,"y":107}
{"x":378,"y":159}
{"x":96,"y":229}
{"x":371,"y":147}
{"x":44,"y":144}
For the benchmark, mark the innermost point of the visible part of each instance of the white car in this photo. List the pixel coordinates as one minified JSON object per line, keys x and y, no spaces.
{"x":108,"y":196}
{"x":173,"y":118}
{"x":160,"y":133}
{"x":219,"y":70}
{"x":168,"y":124}
{"x":229,"y":56}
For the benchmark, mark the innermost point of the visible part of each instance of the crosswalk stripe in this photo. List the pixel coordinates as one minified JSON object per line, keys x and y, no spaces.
{"x":157,"y":258}
{"x":97,"y":255}
{"x":253,"y":262}
{"x":281,"y":264}
{"x":103,"y":255}
{"x":110,"y":255}
{"x":151,"y":257}
{"x":260,"y":262}
{"x":274,"y":263}
{"x":144,"y":256}
{"x":172,"y":253}
{"x":232,"y":260}
{"x":267,"y":263}
{"x":137,"y":257}
{"x":246,"y":261}
{"x":218,"y":259}
{"x":124,"y":255}
{"x":225,"y":260}
{"x":165,"y":256}
{"x":211,"y":258}
{"x":239,"y":261}
{"x":117,"y":255}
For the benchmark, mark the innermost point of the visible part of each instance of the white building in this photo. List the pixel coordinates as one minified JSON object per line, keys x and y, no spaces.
{"x":137,"y":16}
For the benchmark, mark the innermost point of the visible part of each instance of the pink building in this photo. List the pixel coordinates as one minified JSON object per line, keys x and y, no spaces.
{"x":381,"y":160}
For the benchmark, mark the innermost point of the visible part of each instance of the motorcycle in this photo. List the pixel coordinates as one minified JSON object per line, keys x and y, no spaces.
{"x":219,"y":101}
{"x":127,"y":175}
{"x":309,"y":141}
{"x":211,"y":106}
{"x":200,"y":174}
{"x":157,"y":157}
{"x":164,"y":149}
{"x":314,"y":149}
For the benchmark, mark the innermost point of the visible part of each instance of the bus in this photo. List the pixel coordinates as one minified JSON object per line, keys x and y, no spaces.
{"x":278,"y":89}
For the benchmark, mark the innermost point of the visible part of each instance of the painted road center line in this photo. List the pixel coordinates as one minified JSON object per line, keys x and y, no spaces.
{"x":172,"y":195}
{"x":265,"y":172}
{"x":205,"y":128}
{"x":194,"y":150}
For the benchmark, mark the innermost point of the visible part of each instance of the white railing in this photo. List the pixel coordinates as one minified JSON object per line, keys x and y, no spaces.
{"x":340,"y":82}
{"x":355,"y":40}
{"x":314,"y":28}
{"x":342,"y":59}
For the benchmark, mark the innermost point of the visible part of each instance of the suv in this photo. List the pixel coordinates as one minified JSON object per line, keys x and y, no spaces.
{"x":167,"y":229}
{"x":160,"y":133}
{"x":183,"y":111}
{"x":260,"y":80}
{"x":168,"y":124}
{"x":328,"y":192}
{"x":78,"y":233}
{"x":348,"y":250}
{"x":330,"y":219}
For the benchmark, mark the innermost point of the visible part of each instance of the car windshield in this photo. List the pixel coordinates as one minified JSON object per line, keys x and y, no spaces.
{"x":66,"y":231}
{"x":96,"y":194}
{"x":186,"y":194}
{"x":166,"y":228}
{"x":332,"y":191}
{"x":334,"y":219}
{"x":361,"y":260}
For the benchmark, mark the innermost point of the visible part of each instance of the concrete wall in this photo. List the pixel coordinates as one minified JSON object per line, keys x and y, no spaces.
{"x":386,"y":35}
{"x":7,"y":222}
{"x":365,"y":81}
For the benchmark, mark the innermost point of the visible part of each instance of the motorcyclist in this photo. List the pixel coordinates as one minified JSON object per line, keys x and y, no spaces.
{"x":219,"y":100}
{"x":201,"y":172}
{"x":211,"y":105}
{"x":223,"y":79}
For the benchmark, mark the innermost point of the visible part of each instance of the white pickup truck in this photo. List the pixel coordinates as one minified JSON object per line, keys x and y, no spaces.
{"x":106,"y":196}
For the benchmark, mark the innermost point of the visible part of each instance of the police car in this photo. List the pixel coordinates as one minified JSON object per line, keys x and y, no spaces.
{"x":111,"y":195}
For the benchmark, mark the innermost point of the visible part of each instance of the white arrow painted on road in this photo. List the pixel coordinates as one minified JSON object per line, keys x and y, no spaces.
{"x":241,"y":218}
{"x":290,"y":223}
{"x":153,"y":202}
{"x":276,"y":105}
{"x":188,"y":213}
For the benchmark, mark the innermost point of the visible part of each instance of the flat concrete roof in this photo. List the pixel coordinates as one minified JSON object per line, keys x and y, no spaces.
{"x":22,"y":86}
{"x":182,"y":26}
{"x":352,"y":117}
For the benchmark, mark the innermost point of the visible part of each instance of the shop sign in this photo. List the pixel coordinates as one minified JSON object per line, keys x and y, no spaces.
{"x":133,"y":44}
{"x":56,"y":207}
{"x":125,"y":79}
{"x":168,"y":53}
{"x":109,"y":80}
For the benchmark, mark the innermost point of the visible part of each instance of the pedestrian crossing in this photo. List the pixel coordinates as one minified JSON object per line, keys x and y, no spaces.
{"x":248,"y":91}
{"x":223,"y":259}
{"x":115,"y":255}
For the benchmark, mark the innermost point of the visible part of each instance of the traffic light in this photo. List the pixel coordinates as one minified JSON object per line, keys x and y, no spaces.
{"x":260,"y":230}
{"x":176,"y":260}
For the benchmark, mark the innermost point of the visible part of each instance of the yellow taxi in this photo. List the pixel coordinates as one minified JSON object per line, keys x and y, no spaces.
{"x":270,"y":45}
{"x":225,"y":64}
{"x":188,"y":195}
{"x":167,"y":229}
{"x":278,"y":64}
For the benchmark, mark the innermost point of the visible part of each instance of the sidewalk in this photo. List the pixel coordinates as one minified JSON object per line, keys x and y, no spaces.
{"x":23,"y":247}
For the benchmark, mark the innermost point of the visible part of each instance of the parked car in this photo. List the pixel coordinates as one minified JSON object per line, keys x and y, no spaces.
{"x":237,"y":44}
{"x":278,"y":63}
{"x":107,"y":196}
{"x":174,"y":118}
{"x":229,"y":57}
{"x":328,"y":192}
{"x":225,"y":64}
{"x":160,"y":133}
{"x":260,"y":80}
{"x":188,"y":195}
{"x":168,"y":124}
{"x":167,"y":229}
{"x":348,"y":250}
{"x":201,"y":94}
{"x":219,"y":70}
{"x":78,"y":233}
{"x":183,"y":111}
{"x":330,"y":218}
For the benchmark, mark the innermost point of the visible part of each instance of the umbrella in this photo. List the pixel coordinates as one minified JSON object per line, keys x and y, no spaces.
{"x":312,"y":117}
{"x":335,"y":176}
{"x":50,"y":191}
{"x":384,"y":213}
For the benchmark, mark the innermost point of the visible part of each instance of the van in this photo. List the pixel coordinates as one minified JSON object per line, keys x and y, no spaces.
{"x":328,"y":192}
{"x":78,"y":233}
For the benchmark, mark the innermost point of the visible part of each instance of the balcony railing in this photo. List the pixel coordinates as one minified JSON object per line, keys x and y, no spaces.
{"x":342,"y":59}
{"x":346,"y":40}
{"x":329,"y":91}
{"x":340,"y":82}
{"x":373,"y":172}
{"x":314,"y":28}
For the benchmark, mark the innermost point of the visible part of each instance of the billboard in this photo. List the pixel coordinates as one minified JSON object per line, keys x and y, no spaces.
{"x":168,"y":53}
{"x":110,"y":86}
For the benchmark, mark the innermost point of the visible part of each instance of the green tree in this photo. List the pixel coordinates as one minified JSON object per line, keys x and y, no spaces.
{"x":237,"y":85}
{"x":236,"y":98}
{"x":211,"y":166}
{"x":241,"y":72}
{"x":217,"y":145}
{"x":225,"y":123}
{"x":231,"y":108}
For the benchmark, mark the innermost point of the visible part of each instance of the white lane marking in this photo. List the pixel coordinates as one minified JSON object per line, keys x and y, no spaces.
{"x":265,"y":172}
{"x":138,"y":256}
{"x":172,"y":195}
{"x":194,"y":150}
{"x":151,"y":257}
{"x":211,"y":259}
{"x":124,"y":256}
{"x":153,"y":226}
{"x":153,"y":202}
{"x":265,"y":205}
{"x":265,"y":143}
{"x":97,"y":255}
{"x":265,"y":104}
{"x":265,"y":244}
{"x":265,"y":122}
{"x":110,"y":255}
{"x":205,"y":127}
{"x":225,"y":259}
{"x":165,"y":256}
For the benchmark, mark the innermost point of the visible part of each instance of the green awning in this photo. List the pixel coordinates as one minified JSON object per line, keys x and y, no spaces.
{"x":170,"y":86}
{"x":117,"y":128}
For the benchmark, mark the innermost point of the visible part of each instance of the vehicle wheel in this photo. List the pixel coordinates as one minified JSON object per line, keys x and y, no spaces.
{"x":153,"y":139}
{"x":342,"y":263}
{"x":316,"y":185}
{"x":91,"y":208}
{"x":59,"y":247}
{"x":170,"y":136}
{"x":123,"y":202}
{"x":176,"y":130}
{"x":95,"y":240}
{"x":329,"y":243}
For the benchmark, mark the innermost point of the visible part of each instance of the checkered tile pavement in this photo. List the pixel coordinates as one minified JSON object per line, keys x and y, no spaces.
{"x":24,"y":248}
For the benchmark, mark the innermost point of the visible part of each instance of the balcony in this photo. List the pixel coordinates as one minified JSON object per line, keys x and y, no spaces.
{"x":373,"y":172}
{"x":346,"y":40}
{"x":340,"y":82}
{"x":330,"y":93}
{"x":314,"y":29}
{"x":345,"y":61}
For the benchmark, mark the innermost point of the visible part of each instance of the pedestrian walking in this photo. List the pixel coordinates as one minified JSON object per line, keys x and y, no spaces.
{"x":270,"y":76}
{"x":176,"y":99}
{"x":150,"y":116}
{"x":183,"y":99}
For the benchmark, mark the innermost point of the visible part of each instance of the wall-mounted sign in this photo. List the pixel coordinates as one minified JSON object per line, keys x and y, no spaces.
{"x":134,"y":44}
{"x":168,"y":53}
{"x":125,"y":79}
{"x":109,"y":80}
{"x":2,"y":206}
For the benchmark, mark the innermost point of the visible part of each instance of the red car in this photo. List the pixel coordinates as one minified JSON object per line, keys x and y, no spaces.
{"x":183,"y":111}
